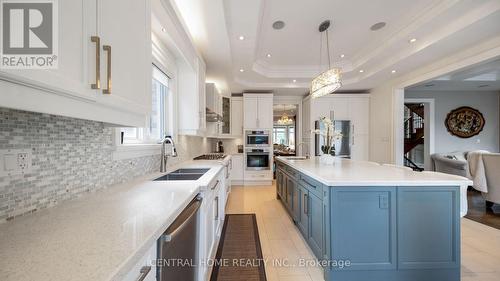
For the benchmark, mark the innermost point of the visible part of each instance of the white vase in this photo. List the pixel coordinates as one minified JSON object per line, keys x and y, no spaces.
{"x":327,"y":159}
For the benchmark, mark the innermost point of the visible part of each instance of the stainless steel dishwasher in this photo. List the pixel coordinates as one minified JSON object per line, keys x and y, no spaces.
{"x":177,"y":247}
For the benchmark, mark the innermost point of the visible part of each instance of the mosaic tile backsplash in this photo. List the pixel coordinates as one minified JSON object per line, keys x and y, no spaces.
{"x":71,"y":157}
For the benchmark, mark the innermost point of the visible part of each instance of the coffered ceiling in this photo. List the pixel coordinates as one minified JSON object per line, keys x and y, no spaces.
{"x":244,"y":52}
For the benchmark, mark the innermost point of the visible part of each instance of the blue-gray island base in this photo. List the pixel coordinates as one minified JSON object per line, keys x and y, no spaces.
{"x":377,"y":233}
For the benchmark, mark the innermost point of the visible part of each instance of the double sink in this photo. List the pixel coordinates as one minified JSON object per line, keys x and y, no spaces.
{"x":187,"y":174}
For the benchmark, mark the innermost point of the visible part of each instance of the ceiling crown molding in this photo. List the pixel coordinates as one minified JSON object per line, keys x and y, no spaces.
{"x":275,"y":71}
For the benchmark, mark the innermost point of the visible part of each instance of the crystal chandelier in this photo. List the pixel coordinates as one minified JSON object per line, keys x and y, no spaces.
{"x":284,"y":119}
{"x":330,"y":80}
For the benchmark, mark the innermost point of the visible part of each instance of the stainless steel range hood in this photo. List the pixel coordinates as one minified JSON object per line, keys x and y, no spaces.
{"x":212,"y":116}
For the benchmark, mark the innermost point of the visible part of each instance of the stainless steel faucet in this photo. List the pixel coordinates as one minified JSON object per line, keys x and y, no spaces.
{"x":165,"y":153}
{"x":307,"y":151}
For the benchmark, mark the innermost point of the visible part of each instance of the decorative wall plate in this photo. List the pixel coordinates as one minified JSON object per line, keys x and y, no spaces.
{"x":464,"y":122}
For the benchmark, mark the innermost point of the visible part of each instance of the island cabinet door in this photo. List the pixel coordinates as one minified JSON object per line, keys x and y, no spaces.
{"x":279,"y":182}
{"x":428,"y":227}
{"x":363,"y":227}
{"x":295,"y":199}
{"x":315,"y":237}
{"x":289,"y":194}
{"x":303,"y":221}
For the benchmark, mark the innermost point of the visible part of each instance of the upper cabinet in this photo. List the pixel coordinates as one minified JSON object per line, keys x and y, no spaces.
{"x":258,"y":111}
{"x":226,"y":116}
{"x":126,"y":54}
{"x":103,"y":73}
{"x":237,"y":116}
{"x":191,"y":92}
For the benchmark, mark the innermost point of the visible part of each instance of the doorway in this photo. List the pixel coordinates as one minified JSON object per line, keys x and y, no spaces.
{"x":284,"y":129}
{"x":418,"y":133}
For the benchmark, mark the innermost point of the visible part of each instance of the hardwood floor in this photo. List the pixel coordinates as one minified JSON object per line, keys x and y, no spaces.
{"x":282,"y":242}
{"x":478,"y":211}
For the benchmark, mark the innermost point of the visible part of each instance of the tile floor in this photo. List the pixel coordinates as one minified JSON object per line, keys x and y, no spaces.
{"x":285,"y":250}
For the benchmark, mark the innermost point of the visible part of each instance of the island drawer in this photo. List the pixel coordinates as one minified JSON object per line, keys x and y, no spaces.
{"x":312,"y":185}
{"x":292,"y":172}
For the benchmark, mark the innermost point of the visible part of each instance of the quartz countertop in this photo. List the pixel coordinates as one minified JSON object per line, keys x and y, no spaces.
{"x":99,"y":236}
{"x":346,"y":172}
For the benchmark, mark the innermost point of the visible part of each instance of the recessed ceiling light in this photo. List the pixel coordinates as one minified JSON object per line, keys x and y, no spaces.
{"x":163,"y":29}
{"x":342,"y":56}
{"x":279,"y":24}
{"x":361,"y":71}
{"x":242,"y":70}
{"x":241,"y":37}
{"x":268,"y":55}
{"x":393,"y":71}
{"x":294,"y":80}
{"x":377,"y":26}
{"x":413,"y":40}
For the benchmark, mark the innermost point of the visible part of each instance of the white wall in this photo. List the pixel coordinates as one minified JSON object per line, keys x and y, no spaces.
{"x":486,"y":102}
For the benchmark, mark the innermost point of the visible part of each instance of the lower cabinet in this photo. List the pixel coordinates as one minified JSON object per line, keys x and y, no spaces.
{"x":315,"y":237}
{"x":304,"y":206}
{"x":145,"y":268}
{"x":303,"y":221}
{"x":364,"y":218}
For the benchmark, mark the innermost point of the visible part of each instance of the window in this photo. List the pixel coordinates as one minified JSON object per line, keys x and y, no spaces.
{"x":284,"y":135}
{"x":156,"y":128}
{"x":280,"y":136}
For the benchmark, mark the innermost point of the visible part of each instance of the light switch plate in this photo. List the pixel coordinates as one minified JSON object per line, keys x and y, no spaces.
{"x":15,"y":161}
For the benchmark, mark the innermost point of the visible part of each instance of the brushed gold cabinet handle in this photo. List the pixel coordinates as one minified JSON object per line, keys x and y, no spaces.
{"x":107,"y":48}
{"x":97,"y":41}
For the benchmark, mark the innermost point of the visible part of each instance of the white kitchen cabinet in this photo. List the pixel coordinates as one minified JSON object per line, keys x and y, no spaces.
{"x":250,"y":112}
{"x":258,"y":111}
{"x":67,"y":90}
{"x":145,"y":266}
{"x":128,"y":62}
{"x":202,"y":96}
{"x":237,"y":116}
{"x":211,"y":222}
{"x":359,"y":147}
{"x":214,"y":98}
{"x":76,"y":61}
{"x":359,"y":113}
{"x":191,"y":92}
{"x":265,"y":118}
{"x":237,"y":172}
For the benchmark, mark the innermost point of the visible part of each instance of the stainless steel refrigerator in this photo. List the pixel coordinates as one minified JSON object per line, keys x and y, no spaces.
{"x":343,"y":145}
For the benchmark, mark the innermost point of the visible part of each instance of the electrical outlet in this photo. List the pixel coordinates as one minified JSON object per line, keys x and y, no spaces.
{"x":15,"y":162}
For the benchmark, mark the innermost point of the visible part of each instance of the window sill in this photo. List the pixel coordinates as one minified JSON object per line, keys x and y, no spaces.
{"x":128,"y":151}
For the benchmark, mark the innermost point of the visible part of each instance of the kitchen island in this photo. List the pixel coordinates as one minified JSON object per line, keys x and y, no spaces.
{"x":365,"y":221}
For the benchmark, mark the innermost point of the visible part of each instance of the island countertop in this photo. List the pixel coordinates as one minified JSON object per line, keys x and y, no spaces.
{"x":346,"y":172}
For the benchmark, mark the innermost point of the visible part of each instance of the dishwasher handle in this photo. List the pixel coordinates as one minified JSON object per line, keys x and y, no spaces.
{"x":182,"y":220}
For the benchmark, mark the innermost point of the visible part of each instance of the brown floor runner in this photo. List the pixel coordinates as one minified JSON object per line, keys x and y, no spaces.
{"x":239,"y":255}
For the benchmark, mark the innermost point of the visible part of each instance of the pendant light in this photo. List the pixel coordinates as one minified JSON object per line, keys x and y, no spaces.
{"x":330,"y":80}
{"x":285,"y":120}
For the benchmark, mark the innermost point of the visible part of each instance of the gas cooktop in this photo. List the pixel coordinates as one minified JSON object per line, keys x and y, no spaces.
{"x":211,"y":156}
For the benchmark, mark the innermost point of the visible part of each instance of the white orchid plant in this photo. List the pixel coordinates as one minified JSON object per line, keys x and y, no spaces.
{"x":329,"y":135}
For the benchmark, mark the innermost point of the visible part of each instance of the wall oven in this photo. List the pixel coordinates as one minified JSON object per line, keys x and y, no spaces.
{"x":257,"y":159}
{"x":257,"y":138}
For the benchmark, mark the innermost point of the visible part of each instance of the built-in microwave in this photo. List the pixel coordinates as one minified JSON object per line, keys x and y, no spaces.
{"x":257,"y":138}
{"x":257,"y":159}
